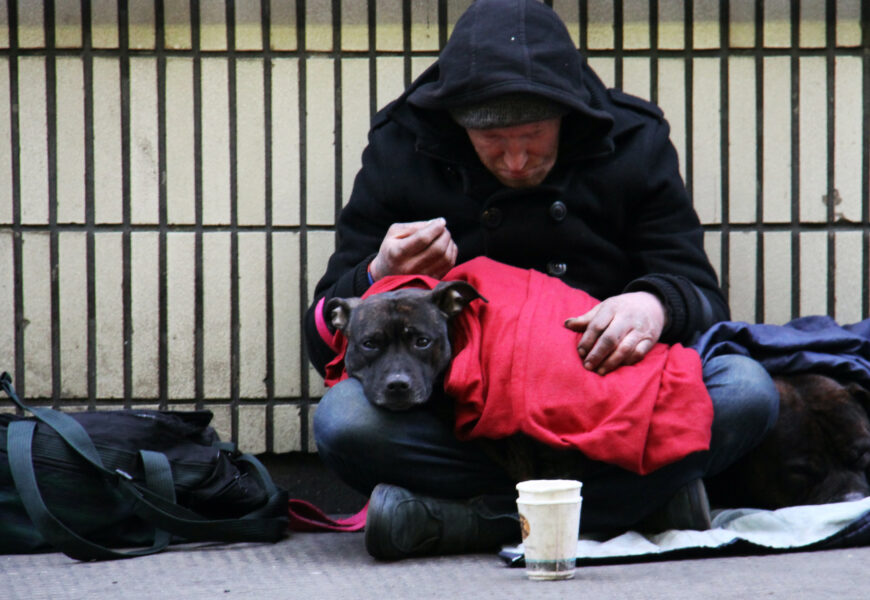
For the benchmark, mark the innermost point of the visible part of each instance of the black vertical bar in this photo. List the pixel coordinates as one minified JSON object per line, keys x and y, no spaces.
{"x":583,"y":26}
{"x":759,"y":156}
{"x":443,"y":24}
{"x":163,"y":209}
{"x":725,"y":239}
{"x":337,"y":128}
{"x":760,"y":287}
{"x":373,"y":57}
{"x":795,"y":159}
{"x":124,"y":60}
{"x":51,"y":147}
{"x":406,"y":40}
{"x":235,"y":365}
{"x":88,"y":71}
{"x":689,"y":41}
{"x":301,"y":45}
{"x":724,"y":128}
{"x":265,"y":20}
{"x":198,"y":278}
{"x":865,"y":161}
{"x":15,"y":133}
{"x":654,"y":51}
{"x":832,"y":194}
{"x":618,"y":42}
{"x":337,"y":106}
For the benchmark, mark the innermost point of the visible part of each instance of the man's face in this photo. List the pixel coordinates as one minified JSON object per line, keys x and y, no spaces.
{"x":519,"y":156}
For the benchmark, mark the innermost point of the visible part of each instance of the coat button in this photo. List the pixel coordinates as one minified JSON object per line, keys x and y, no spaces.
{"x":558,"y":211}
{"x":556,"y":269}
{"x":491,"y":217}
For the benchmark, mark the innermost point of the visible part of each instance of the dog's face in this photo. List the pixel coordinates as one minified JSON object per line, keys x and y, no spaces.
{"x":398,"y":342}
{"x":819,"y":450}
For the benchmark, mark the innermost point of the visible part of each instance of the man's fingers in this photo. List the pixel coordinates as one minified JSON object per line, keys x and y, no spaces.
{"x":438,"y":258}
{"x":410,"y":247}
{"x":619,"y":331}
{"x":415,"y":242}
{"x":604,"y":346}
{"x":591,"y":325}
{"x":452,"y":252}
{"x":579,"y":324}
{"x":444,"y":253}
{"x":630,"y":350}
{"x":400,"y":231}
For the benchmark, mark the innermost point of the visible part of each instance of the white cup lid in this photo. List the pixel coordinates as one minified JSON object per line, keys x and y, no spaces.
{"x":549,"y":489}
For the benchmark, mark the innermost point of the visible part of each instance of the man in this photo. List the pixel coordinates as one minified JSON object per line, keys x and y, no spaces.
{"x":509,"y":146}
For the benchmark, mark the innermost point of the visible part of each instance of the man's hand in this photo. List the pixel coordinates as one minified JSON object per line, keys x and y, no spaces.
{"x":421,"y":247}
{"x":619,"y":331}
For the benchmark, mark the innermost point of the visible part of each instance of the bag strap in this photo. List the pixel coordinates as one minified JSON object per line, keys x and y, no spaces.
{"x":191,"y":526}
{"x":20,"y":451}
{"x":156,"y":506}
{"x":68,"y":428}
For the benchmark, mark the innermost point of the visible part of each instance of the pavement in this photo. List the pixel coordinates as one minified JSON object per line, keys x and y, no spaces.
{"x":335,"y":565}
{"x":327,"y":566}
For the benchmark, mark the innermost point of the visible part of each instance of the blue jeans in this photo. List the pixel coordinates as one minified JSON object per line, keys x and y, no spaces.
{"x":365,"y":445}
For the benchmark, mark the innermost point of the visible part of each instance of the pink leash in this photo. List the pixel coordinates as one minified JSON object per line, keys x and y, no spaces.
{"x":304,"y":516}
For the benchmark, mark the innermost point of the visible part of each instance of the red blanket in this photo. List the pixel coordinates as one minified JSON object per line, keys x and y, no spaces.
{"x":516,"y":370}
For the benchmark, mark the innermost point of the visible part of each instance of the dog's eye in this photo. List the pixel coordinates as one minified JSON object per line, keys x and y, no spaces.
{"x":370,"y":344}
{"x":422,"y":342}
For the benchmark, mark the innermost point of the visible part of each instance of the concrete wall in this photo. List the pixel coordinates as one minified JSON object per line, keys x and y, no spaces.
{"x":170,"y":173}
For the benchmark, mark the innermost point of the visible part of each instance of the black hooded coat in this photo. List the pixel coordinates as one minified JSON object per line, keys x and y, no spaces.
{"x":612,"y":216}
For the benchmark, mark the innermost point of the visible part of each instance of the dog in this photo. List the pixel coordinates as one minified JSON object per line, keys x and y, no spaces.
{"x":398,"y":342}
{"x":818,"y":451}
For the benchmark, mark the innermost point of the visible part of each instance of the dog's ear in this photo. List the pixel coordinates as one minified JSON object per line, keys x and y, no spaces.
{"x":338,"y":311}
{"x":451,"y":297}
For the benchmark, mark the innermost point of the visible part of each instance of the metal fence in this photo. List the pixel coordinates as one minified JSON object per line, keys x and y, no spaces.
{"x":170,"y":174}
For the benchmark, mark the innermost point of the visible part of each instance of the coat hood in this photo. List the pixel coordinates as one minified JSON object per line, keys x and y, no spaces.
{"x":509,"y":46}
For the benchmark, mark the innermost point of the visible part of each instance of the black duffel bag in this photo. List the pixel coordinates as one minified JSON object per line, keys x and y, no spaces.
{"x":85,"y":483}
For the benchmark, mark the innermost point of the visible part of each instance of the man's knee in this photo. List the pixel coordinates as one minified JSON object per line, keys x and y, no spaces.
{"x":740,"y":385}
{"x":745,"y":406}
{"x":343,"y":419}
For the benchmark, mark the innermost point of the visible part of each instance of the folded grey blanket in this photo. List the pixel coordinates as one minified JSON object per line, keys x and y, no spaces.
{"x":735,"y":531}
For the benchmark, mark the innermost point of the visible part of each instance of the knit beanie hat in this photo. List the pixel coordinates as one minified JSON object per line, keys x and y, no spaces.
{"x":507,"y":110}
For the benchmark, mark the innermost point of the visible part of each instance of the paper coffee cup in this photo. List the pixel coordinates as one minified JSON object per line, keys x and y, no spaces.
{"x":550,"y":520}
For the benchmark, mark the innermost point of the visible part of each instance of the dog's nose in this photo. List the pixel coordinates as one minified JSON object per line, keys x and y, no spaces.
{"x":399,"y":384}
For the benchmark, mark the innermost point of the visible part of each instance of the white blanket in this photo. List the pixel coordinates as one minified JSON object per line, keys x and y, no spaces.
{"x":746,"y":530}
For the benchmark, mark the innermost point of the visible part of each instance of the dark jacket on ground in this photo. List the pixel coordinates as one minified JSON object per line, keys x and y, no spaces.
{"x":612,"y":216}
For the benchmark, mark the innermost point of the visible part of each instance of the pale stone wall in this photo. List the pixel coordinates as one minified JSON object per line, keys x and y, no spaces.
{"x":170,"y":175}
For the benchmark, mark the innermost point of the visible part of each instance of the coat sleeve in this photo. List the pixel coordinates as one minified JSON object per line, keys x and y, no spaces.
{"x":361,"y":227}
{"x":668,"y":241}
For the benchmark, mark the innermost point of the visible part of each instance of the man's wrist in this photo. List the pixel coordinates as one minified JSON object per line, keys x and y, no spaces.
{"x":665,"y":290}
{"x":666,"y":314}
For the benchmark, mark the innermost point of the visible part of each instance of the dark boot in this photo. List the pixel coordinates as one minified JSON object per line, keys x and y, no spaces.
{"x":401,"y":524}
{"x":689,"y":508}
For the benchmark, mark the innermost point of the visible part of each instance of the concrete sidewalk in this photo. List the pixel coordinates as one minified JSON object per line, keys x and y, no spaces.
{"x":324,"y":566}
